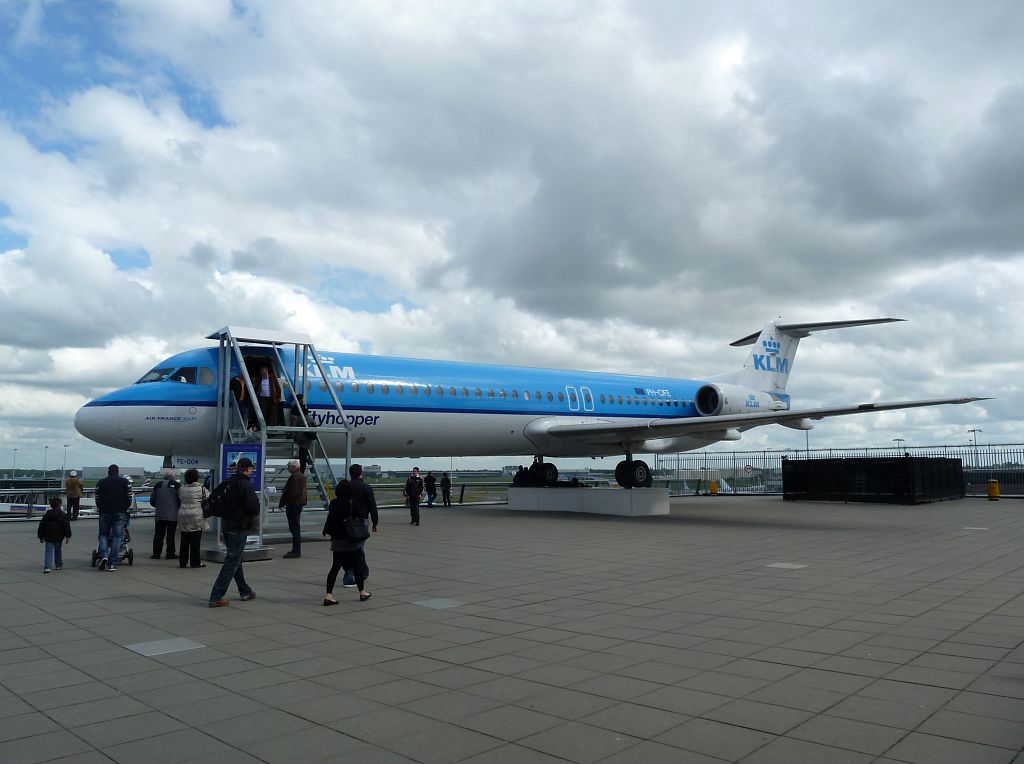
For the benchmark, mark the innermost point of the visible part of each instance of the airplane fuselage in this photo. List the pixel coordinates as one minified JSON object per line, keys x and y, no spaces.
{"x":402,"y":407}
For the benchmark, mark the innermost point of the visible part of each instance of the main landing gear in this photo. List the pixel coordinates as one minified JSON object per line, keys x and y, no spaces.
{"x":633,"y":473}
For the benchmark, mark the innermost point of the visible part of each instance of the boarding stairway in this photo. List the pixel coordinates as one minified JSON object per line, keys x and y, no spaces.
{"x":296,"y":366}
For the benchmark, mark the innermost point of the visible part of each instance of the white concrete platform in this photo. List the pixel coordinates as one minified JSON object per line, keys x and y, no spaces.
{"x":637,"y":502}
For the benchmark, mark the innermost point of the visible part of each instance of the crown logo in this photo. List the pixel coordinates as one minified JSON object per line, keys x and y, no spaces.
{"x":771,"y":346}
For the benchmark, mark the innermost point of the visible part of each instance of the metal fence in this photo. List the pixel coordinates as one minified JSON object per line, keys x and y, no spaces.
{"x":760,"y":472}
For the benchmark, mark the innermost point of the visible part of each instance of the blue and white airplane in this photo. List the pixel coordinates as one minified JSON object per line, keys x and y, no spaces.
{"x":414,"y":407}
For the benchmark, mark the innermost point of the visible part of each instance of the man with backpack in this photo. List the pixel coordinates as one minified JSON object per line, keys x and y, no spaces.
{"x":235,"y":502}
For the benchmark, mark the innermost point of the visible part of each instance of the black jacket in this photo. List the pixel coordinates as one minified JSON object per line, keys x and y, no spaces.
{"x":352,"y":498}
{"x":244,"y":507}
{"x":414,"y":486}
{"x":113,"y":494}
{"x":54,"y":527}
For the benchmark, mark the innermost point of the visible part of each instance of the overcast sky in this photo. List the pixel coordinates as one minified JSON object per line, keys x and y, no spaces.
{"x":624,"y":186}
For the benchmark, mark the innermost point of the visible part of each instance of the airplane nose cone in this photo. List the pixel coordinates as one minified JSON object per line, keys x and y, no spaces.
{"x":98,"y":424}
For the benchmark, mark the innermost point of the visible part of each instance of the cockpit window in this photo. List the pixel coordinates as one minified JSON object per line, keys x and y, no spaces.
{"x":206,"y":376}
{"x":186,"y":375}
{"x":156,"y":375}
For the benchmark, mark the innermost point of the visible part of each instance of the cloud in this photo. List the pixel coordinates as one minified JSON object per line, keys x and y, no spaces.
{"x":586,"y":185}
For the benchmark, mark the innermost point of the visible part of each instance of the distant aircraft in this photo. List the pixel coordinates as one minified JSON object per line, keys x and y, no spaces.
{"x":412,"y":407}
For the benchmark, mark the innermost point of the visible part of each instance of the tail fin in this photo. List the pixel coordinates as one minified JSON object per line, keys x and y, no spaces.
{"x":771,"y":359}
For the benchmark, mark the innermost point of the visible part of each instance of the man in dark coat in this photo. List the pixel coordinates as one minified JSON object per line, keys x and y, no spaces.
{"x":446,"y":490}
{"x":414,"y":491}
{"x":293,"y":499}
{"x":113,"y":500}
{"x":166,"y":501}
{"x":235,"y":525}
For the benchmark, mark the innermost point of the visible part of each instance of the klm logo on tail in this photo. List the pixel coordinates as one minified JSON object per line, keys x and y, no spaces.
{"x":770,"y":360}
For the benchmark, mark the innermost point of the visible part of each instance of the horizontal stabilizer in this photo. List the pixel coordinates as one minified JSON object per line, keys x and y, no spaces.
{"x":803,"y":330}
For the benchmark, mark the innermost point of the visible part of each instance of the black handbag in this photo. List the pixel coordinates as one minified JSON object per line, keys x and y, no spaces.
{"x":355,"y":528}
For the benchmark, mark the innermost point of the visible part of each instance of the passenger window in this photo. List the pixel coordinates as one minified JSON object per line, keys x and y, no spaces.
{"x":550,"y":396}
{"x":451,"y":392}
{"x":355,"y":387}
{"x":323,"y":386}
{"x":439,"y":390}
{"x":515,"y":395}
{"x":490,"y":393}
{"x":620,"y":400}
{"x":629,"y":401}
{"x":526,"y":395}
{"x":400,"y":389}
{"x":539,"y":395}
{"x":385,"y":388}
{"x":501,"y":394}
{"x":414,"y":389}
{"x":369,"y":387}
{"x":561,"y":397}
{"x":644,"y":401}
{"x":465,"y":392}
{"x":572,"y":396}
{"x":602,"y":397}
{"x":479,"y":393}
{"x":339,"y":386}
{"x":426,"y":389}
{"x":206,"y":376}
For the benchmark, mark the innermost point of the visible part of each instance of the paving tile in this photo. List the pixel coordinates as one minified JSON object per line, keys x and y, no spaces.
{"x":126,"y":729}
{"x":919,"y":748}
{"x":635,"y":720}
{"x":976,"y":729}
{"x":169,"y":748}
{"x":509,"y":722}
{"x":764,"y":717}
{"x":381,"y":724}
{"x":564,"y":703}
{"x":442,"y":743}
{"x":718,"y":739}
{"x":849,"y":734}
{"x":45,"y":747}
{"x":792,"y":751}
{"x":26,"y":725}
{"x":579,"y":742}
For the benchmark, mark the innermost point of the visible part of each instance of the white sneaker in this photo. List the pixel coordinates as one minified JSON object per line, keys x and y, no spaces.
{"x":46,"y":570}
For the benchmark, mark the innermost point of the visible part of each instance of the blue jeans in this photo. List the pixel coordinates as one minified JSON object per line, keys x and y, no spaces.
{"x":350,"y":576}
{"x":234,"y":543}
{"x":112,"y":524}
{"x":53,"y":554}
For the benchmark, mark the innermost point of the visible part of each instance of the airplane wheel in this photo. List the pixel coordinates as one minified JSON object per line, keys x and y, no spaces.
{"x":535,"y":475}
{"x":622,"y":474}
{"x":549,"y":473}
{"x":640,"y":475}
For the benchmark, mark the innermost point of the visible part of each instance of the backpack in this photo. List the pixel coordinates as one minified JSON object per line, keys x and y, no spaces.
{"x":221,"y":500}
{"x":338,"y":510}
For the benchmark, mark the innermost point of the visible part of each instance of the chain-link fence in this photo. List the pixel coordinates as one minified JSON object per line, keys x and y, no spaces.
{"x":761,"y":471}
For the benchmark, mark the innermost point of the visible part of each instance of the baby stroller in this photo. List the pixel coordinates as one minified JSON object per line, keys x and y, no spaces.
{"x":125,"y":554}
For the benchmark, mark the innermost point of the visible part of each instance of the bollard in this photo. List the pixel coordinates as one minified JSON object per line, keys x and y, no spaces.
{"x":993,"y":490}
{"x":713,"y":488}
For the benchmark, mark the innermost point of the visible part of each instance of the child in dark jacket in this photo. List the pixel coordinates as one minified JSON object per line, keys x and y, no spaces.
{"x":53,"y":529}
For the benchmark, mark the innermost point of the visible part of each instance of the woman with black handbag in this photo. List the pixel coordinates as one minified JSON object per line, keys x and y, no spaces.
{"x":346,"y":525}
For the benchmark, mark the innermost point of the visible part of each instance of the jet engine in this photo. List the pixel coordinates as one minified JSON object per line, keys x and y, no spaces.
{"x":720,"y":400}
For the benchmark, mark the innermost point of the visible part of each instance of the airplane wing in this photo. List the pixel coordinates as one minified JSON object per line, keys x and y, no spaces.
{"x":708,"y":425}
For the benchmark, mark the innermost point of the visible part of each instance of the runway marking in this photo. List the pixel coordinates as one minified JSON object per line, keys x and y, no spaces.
{"x":439,"y":603}
{"x":164,"y":646}
{"x":785,"y":565}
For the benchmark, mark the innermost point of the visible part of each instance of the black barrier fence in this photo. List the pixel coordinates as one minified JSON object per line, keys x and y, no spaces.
{"x":760,"y":472}
{"x":876,"y":479}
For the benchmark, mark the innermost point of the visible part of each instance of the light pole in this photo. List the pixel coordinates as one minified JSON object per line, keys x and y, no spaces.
{"x":46,"y":450}
{"x":64,"y":465}
{"x":975,"y":431}
{"x":14,"y":459}
{"x":899,"y":442}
